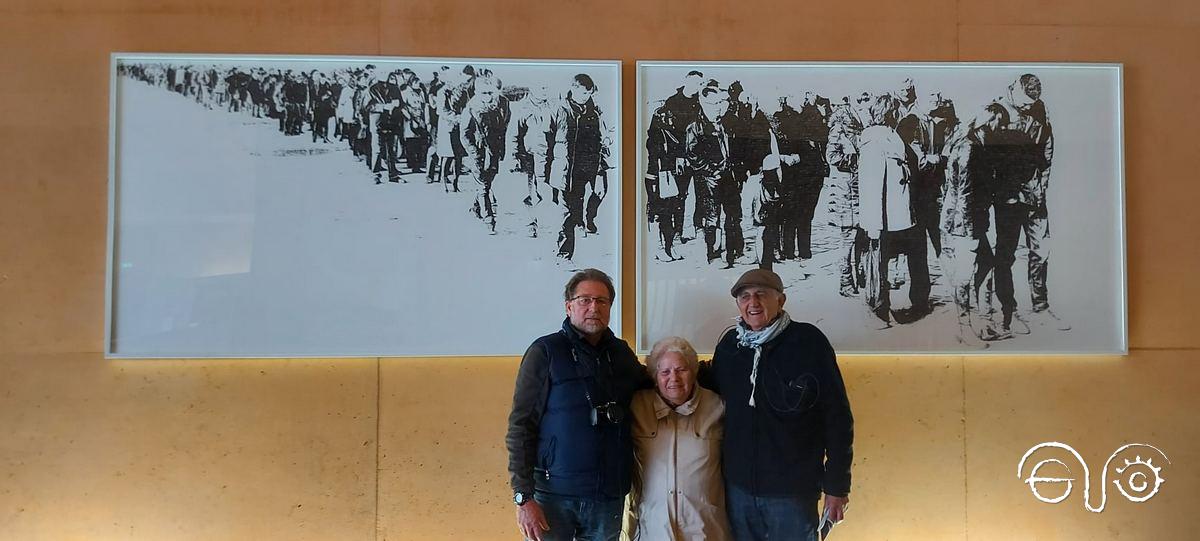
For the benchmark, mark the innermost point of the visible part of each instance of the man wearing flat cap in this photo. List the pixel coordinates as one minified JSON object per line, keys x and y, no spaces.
{"x":788,"y":427}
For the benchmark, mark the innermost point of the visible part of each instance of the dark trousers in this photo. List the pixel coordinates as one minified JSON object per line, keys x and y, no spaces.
{"x":320,"y":125}
{"x":668,"y":228}
{"x":1010,"y":218}
{"x":294,"y":122}
{"x":729,"y":198}
{"x":768,"y":240}
{"x":594,"y":198}
{"x":911,"y":243}
{"x":386,"y":153}
{"x":579,"y":519}
{"x":414,"y":152}
{"x":801,"y":201}
{"x":753,"y":518}
{"x":572,"y":212}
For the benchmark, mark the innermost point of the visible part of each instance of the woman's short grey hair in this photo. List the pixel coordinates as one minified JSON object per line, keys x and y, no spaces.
{"x":672,"y":344}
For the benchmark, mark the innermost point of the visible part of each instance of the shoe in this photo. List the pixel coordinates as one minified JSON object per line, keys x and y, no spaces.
{"x":990,"y":333}
{"x":591,"y":228}
{"x":1048,"y":318}
{"x":1019,"y":324}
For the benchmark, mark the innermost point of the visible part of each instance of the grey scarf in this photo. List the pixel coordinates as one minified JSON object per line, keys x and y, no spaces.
{"x":755,"y":339}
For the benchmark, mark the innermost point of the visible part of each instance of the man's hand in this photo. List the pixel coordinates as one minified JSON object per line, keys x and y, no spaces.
{"x":532,"y":521}
{"x":835,"y":506}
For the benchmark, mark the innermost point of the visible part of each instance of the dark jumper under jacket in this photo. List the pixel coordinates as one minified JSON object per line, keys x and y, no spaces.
{"x":797,"y":439}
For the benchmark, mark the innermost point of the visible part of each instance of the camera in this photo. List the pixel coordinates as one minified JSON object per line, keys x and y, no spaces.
{"x":607,"y":413}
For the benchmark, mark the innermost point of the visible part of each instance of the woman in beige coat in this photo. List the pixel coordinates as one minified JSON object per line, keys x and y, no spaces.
{"x":678,"y":492}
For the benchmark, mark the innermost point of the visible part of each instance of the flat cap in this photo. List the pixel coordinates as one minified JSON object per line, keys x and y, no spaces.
{"x":758,"y":277}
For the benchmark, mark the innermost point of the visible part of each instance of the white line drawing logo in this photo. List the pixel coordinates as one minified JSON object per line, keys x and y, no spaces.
{"x":1138,"y":479}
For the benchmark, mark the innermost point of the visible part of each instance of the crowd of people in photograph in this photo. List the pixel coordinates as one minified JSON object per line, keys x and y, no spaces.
{"x":456,"y":122}
{"x":903,"y":173}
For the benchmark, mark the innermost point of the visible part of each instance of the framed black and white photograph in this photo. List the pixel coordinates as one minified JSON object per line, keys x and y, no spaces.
{"x":286,"y":206}
{"x":908,"y":208}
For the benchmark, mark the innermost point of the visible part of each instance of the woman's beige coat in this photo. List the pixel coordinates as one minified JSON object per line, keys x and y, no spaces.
{"x":678,"y":492}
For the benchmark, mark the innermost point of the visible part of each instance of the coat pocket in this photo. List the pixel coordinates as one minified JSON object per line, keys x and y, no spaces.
{"x":794,"y":395}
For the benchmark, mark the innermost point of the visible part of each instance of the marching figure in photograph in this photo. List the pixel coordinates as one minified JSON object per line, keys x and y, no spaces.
{"x":383,"y":106}
{"x":1027,"y":113}
{"x":885,"y":204}
{"x":569,"y":439}
{"x":484,"y":123}
{"x":678,"y":491}
{"x":750,"y":145}
{"x":579,"y":161}
{"x":534,"y":138}
{"x":925,"y":133}
{"x":707,"y":144}
{"x":433,"y":98}
{"x":415,"y":131}
{"x":964,"y":217}
{"x":667,"y":177}
{"x":454,"y":98}
{"x":788,"y":428}
{"x":802,"y":137}
{"x":324,"y":104}
{"x":295,"y":99}
{"x":846,"y":125}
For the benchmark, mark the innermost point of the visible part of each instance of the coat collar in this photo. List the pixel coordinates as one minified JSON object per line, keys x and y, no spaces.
{"x":662,"y":409}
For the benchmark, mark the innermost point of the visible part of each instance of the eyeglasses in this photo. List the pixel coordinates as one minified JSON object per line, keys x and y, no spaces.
{"x":586,"y":301}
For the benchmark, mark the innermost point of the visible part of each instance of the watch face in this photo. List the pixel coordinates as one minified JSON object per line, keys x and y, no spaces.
{"x":520,"y":498}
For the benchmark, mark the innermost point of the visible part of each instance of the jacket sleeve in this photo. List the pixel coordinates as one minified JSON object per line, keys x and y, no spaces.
{"x":472,"y":138}
{"x":558,"y":151}
{"x":655,"y":145}
{"x":838,"y":423}
{"x":524,"y":423}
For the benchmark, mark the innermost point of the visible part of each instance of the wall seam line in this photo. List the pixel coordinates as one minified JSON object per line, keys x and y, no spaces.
{"x":966,"y":477}
{"x":378,"y":402}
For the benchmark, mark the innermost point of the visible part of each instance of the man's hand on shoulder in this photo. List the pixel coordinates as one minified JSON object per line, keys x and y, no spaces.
{"x":532,"y":520}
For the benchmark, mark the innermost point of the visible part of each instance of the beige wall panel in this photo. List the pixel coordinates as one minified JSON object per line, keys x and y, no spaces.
{"x":630,"y":30}
{"x":442,"y":461}
{"x":908,"y":447}
{"x":1095,"y":405}
{"x":270,"y":449}
{"x":1147,"y":13}
{"x":1160,"y":98}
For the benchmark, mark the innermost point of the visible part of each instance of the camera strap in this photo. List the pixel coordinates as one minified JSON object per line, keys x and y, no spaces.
{"x":594,"y":385}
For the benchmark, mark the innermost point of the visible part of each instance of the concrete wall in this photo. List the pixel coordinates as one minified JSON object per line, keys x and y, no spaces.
{"x":412,"y":448}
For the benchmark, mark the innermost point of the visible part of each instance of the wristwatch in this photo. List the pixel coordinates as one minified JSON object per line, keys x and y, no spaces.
{"x":520,"y":498}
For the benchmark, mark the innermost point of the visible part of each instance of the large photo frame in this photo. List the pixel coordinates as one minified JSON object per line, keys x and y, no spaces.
{"x":906,"y":206}
{"x":288,"y":206}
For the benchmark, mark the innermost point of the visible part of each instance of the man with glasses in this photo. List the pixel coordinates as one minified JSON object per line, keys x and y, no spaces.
{"x":788,"y":427}
{"x":569,"y":444}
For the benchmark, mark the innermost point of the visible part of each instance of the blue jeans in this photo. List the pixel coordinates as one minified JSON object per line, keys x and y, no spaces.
{"x":754,"y":518}
{"x":581,"y":519}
